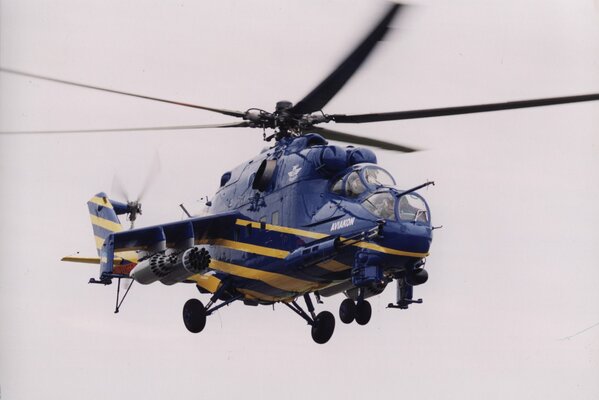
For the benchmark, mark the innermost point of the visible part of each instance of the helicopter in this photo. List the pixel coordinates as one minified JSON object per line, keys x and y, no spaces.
{"x":304,"y":218}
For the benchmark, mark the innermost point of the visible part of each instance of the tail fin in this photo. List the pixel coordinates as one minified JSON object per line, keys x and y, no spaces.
{"x":103,"y":215}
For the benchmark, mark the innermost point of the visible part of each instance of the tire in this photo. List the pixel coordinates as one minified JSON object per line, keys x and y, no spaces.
{"x":347,"y":311}
{"x":363,"y":312}
{"x":323,"y":327}
{"x":194,"y":315}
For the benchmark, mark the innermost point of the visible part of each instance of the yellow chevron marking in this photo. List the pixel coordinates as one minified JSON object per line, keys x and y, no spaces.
{"x":334,"y":266}
{"x":316,"y":235}
{"x":106,"y":224}
{"x":249,"y":248}
{"x":208,"y":282}
{"x":278,"y":281}
{"x":101,"y":201}
{"x":253,"y":295}
{"x":99,"y":242}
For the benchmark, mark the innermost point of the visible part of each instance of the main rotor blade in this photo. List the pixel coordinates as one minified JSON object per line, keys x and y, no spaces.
{"x":324,"y":92}
{"x":153,"y":172}
{"x":479,"y":108}
{"x":151,"y":128}
{"x":349,"y":138}
{"x":178,"y":103}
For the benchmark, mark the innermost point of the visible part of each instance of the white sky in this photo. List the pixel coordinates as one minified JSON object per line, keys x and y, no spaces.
{"x":513,"y":271}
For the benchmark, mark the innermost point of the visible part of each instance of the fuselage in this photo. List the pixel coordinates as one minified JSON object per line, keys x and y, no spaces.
{"x":303,"y":191}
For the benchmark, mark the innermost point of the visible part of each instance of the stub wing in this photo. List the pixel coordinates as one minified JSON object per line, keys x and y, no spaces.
{"x":150,"y":240}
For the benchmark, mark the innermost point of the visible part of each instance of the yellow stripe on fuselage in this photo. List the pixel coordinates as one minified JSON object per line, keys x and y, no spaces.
{"x":106,"y":224}
{"x":316,"y":235}
{"x":208,"y":282}
{"x":282,"y":229}
{"x":273,"y":279}
{"x":248,"y":248}
{"x":387,"y":250}
{"x":99,"y":242}
{"x":333,"y":266}
{"x":253,"y":295}
{"x":101,"y":201}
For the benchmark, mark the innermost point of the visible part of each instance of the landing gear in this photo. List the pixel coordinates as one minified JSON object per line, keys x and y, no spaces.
{"x":194,"y":315}
{"x":363,"y":312}
{"x":323,"y":327}
{"x":360,"y":311}
{"x":323,"y":324}
{"x":347,"y":311}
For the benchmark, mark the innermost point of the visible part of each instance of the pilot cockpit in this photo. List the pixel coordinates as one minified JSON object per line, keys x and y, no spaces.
{"x":375,"y":188}
{"x":362,"y":179}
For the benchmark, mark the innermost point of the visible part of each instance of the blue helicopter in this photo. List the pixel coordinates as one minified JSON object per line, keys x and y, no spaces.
{"x":304,"y":218}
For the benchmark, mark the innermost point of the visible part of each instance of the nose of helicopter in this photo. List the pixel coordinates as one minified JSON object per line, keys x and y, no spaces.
{"x":407,"y":237}
{"x":407,"y":227}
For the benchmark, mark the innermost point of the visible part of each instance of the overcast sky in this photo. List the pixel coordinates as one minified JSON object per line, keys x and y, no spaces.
{"x":513,"y":272}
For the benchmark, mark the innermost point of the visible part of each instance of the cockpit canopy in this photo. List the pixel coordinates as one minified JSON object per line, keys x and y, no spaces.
{"x":381,"y":199}
{"x":361,"y":179}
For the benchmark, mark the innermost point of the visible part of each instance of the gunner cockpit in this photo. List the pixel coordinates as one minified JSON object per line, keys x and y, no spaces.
{"x":375,"y":189}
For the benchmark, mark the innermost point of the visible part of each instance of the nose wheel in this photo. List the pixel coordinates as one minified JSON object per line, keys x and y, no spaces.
{"x":350,"y":311}
{"x":363,"y":312}
{"x":347,"y":311}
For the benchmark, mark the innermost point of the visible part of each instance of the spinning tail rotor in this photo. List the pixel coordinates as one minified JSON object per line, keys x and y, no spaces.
{"x":132,"y":208}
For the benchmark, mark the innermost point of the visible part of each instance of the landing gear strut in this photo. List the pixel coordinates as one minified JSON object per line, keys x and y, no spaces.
{"x":323,"y":324}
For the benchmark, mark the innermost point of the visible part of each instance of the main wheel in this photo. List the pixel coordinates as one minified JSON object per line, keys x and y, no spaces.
{"x":194,"y":315}
{"x":347,"y":311}
{"x":323,"y":327}
{"x":363,"y":312}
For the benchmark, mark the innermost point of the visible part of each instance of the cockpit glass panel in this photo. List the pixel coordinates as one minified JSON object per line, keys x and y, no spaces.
{"x":353,"y":185}
{"x":412,"y":208}
{"x":378,"y":177}
{"x":381,"y":205}
{"x":337,"y":187}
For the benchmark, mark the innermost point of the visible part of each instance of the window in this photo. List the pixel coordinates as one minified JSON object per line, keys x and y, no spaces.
{"x":337,"y":187}
{"x":225,"y":178}
{"x":353,"y":185}
{"x":275,"y":218}
{"x":412,"y":208}
{"x":378,"y":177}
{"x":381,"y":205}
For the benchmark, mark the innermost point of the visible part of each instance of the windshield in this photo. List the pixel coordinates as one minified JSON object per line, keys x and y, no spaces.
{"x":381,"y":205}
{"x":359,"y":181}
{"x":354,"y":186}
{"x":412,"y":208}
{"x":378,"y":177}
